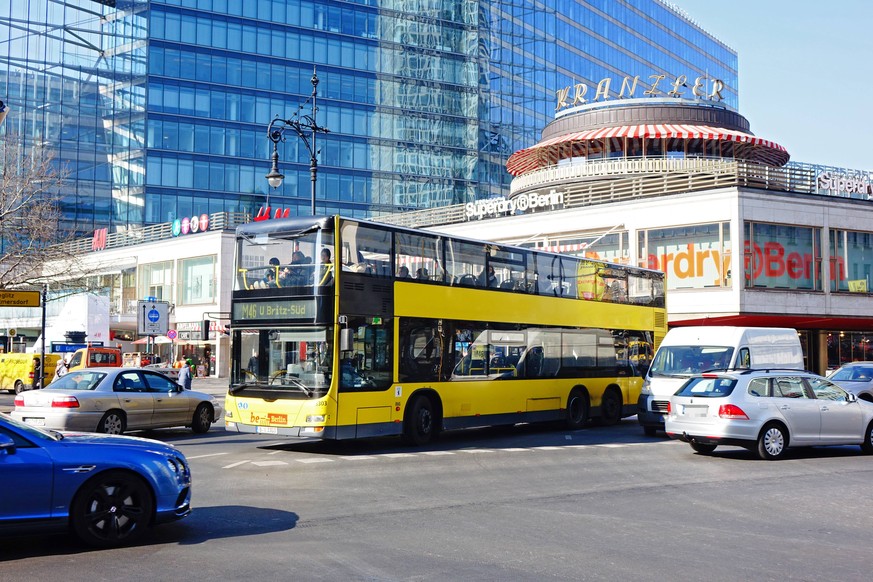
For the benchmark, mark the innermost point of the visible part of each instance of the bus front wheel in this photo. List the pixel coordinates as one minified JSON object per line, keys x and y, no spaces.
{"x":420,"y":424}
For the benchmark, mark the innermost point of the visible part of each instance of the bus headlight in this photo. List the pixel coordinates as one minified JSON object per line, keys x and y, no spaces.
{"x":228,"y":413}
{"x":315,"y":418}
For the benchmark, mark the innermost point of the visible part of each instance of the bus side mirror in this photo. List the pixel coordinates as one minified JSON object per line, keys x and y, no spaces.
{"x":347,"y":340}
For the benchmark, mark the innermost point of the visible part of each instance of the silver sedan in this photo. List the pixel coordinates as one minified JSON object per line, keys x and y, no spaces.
{"x":115,"y":400}
{"x":856,"y":377}
{"x":767,"y":411}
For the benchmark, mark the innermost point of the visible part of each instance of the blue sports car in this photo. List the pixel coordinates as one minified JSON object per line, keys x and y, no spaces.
{"x":107,"y":489}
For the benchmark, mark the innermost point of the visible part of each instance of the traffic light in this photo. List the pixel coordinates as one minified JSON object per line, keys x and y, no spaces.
{"x":204,"y":330}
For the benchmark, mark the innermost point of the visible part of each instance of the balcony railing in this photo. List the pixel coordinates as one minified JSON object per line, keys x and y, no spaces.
{"x":151,"y":233}
{"x":623,"y":179}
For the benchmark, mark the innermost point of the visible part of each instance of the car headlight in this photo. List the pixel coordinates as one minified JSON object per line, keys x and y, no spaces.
{"x":179,"y":469}
{"x":646,"y":389}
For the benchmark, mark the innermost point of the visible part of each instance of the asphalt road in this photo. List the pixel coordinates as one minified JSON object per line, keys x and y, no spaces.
{"x":526,"y":503}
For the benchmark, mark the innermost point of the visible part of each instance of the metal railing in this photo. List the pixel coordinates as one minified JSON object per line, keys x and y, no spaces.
{"x":617,"y":180}
{"x":156,"y":232}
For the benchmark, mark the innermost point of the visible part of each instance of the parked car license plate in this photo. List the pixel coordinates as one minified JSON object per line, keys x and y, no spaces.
{"x":268,"y":430}
{"x":35,"y":421}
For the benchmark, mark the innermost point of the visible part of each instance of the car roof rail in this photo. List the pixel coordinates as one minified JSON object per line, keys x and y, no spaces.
{"x":777,"y":369}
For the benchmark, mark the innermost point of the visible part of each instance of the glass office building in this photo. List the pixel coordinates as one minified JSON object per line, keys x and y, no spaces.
{"x":159,"y":109}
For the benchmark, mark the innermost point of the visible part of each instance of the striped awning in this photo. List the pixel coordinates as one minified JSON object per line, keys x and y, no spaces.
{"x":548,"y":152}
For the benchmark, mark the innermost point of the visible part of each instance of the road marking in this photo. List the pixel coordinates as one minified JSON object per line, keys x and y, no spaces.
{"x":237,"y":464}
{"x":316,"y":459}
{"x":204,"y":456}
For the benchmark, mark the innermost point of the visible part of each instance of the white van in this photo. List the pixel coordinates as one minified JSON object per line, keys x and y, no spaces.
{"x":691,"y":350}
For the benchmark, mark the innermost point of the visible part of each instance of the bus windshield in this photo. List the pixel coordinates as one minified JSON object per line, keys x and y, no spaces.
{"x":292,"y":359}
{"x":298,"y":259}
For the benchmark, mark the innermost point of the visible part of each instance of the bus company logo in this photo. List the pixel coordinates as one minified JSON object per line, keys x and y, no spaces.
{"x":501,"y":206}
{"x":574,"y":95}
{"x":98,"y":242}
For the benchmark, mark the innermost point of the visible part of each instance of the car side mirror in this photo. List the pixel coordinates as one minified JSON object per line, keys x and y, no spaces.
{"x":850,"y":397}
{"x":7,"y":444}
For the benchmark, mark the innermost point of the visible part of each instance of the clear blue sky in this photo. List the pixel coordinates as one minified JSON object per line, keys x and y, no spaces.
{"x":806,"y":72}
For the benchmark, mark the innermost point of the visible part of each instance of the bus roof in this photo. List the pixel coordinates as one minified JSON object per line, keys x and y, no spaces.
{"x":301,"y":224}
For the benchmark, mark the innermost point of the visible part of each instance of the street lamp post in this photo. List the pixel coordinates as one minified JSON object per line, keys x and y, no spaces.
{"x":306,"y":129}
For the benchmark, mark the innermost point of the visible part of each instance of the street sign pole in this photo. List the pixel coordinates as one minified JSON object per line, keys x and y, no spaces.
{"x":42,"y":351}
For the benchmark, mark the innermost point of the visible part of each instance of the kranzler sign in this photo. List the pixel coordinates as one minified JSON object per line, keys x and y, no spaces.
{"x":654,"y":86}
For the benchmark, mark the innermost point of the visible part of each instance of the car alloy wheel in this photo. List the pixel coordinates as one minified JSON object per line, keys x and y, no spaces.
{"x":111,"y":509}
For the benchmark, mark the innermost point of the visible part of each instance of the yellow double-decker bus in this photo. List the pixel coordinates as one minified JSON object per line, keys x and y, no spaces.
{"x":345,"y":329}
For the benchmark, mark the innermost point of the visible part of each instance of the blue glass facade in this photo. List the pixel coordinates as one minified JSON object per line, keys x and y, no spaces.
{"x":76,"y":81}
{"x":424,"y":99}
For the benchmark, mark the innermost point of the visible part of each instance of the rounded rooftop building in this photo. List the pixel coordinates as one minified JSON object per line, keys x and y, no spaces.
{"x":642,"y":136}
{"x":647,"y":128}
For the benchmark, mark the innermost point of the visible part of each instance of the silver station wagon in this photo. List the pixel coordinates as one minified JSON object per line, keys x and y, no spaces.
{"x":767,"y":411}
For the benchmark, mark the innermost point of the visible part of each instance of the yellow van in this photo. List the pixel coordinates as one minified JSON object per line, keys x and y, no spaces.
{"x":16,"y":370}
{"x":94,"y":357}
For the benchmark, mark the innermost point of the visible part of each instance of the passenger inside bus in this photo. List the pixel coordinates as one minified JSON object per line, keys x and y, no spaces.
{"x":325,"y":272}
{"x":295,"y":274}
{"x":422,"y":274}
{"x":269,"y":279}
{"x":403,"y":273}
{"x":487,"y":278}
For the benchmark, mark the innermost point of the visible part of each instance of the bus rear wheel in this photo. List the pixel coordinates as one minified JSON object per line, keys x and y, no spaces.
{"x":577,"y":409}
{"x":421,"y":422}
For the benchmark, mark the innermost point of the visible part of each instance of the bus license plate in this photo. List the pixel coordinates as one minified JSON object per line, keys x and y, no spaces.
{"x":268,"y":430}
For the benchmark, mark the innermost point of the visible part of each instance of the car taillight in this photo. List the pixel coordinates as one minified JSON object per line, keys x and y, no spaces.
{"x":731,"y":411}
{"x":65,"y":402}
{"x":19,"y":401}
{"x":669,"y":408}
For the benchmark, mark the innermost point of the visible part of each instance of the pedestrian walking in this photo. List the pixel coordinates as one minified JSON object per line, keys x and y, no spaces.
{"x":60,"y":369}
{"x":185,"y":377}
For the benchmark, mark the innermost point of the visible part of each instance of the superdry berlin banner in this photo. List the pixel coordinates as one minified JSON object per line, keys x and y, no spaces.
{"x":774,"y":256}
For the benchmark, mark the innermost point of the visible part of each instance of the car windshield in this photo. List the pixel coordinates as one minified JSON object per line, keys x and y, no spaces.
{"x":708,"y":387}
{"x":853,"y":374}
{"x":684,"y":360}
{"x":78,"y":380}
{"x":31,"y":431}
